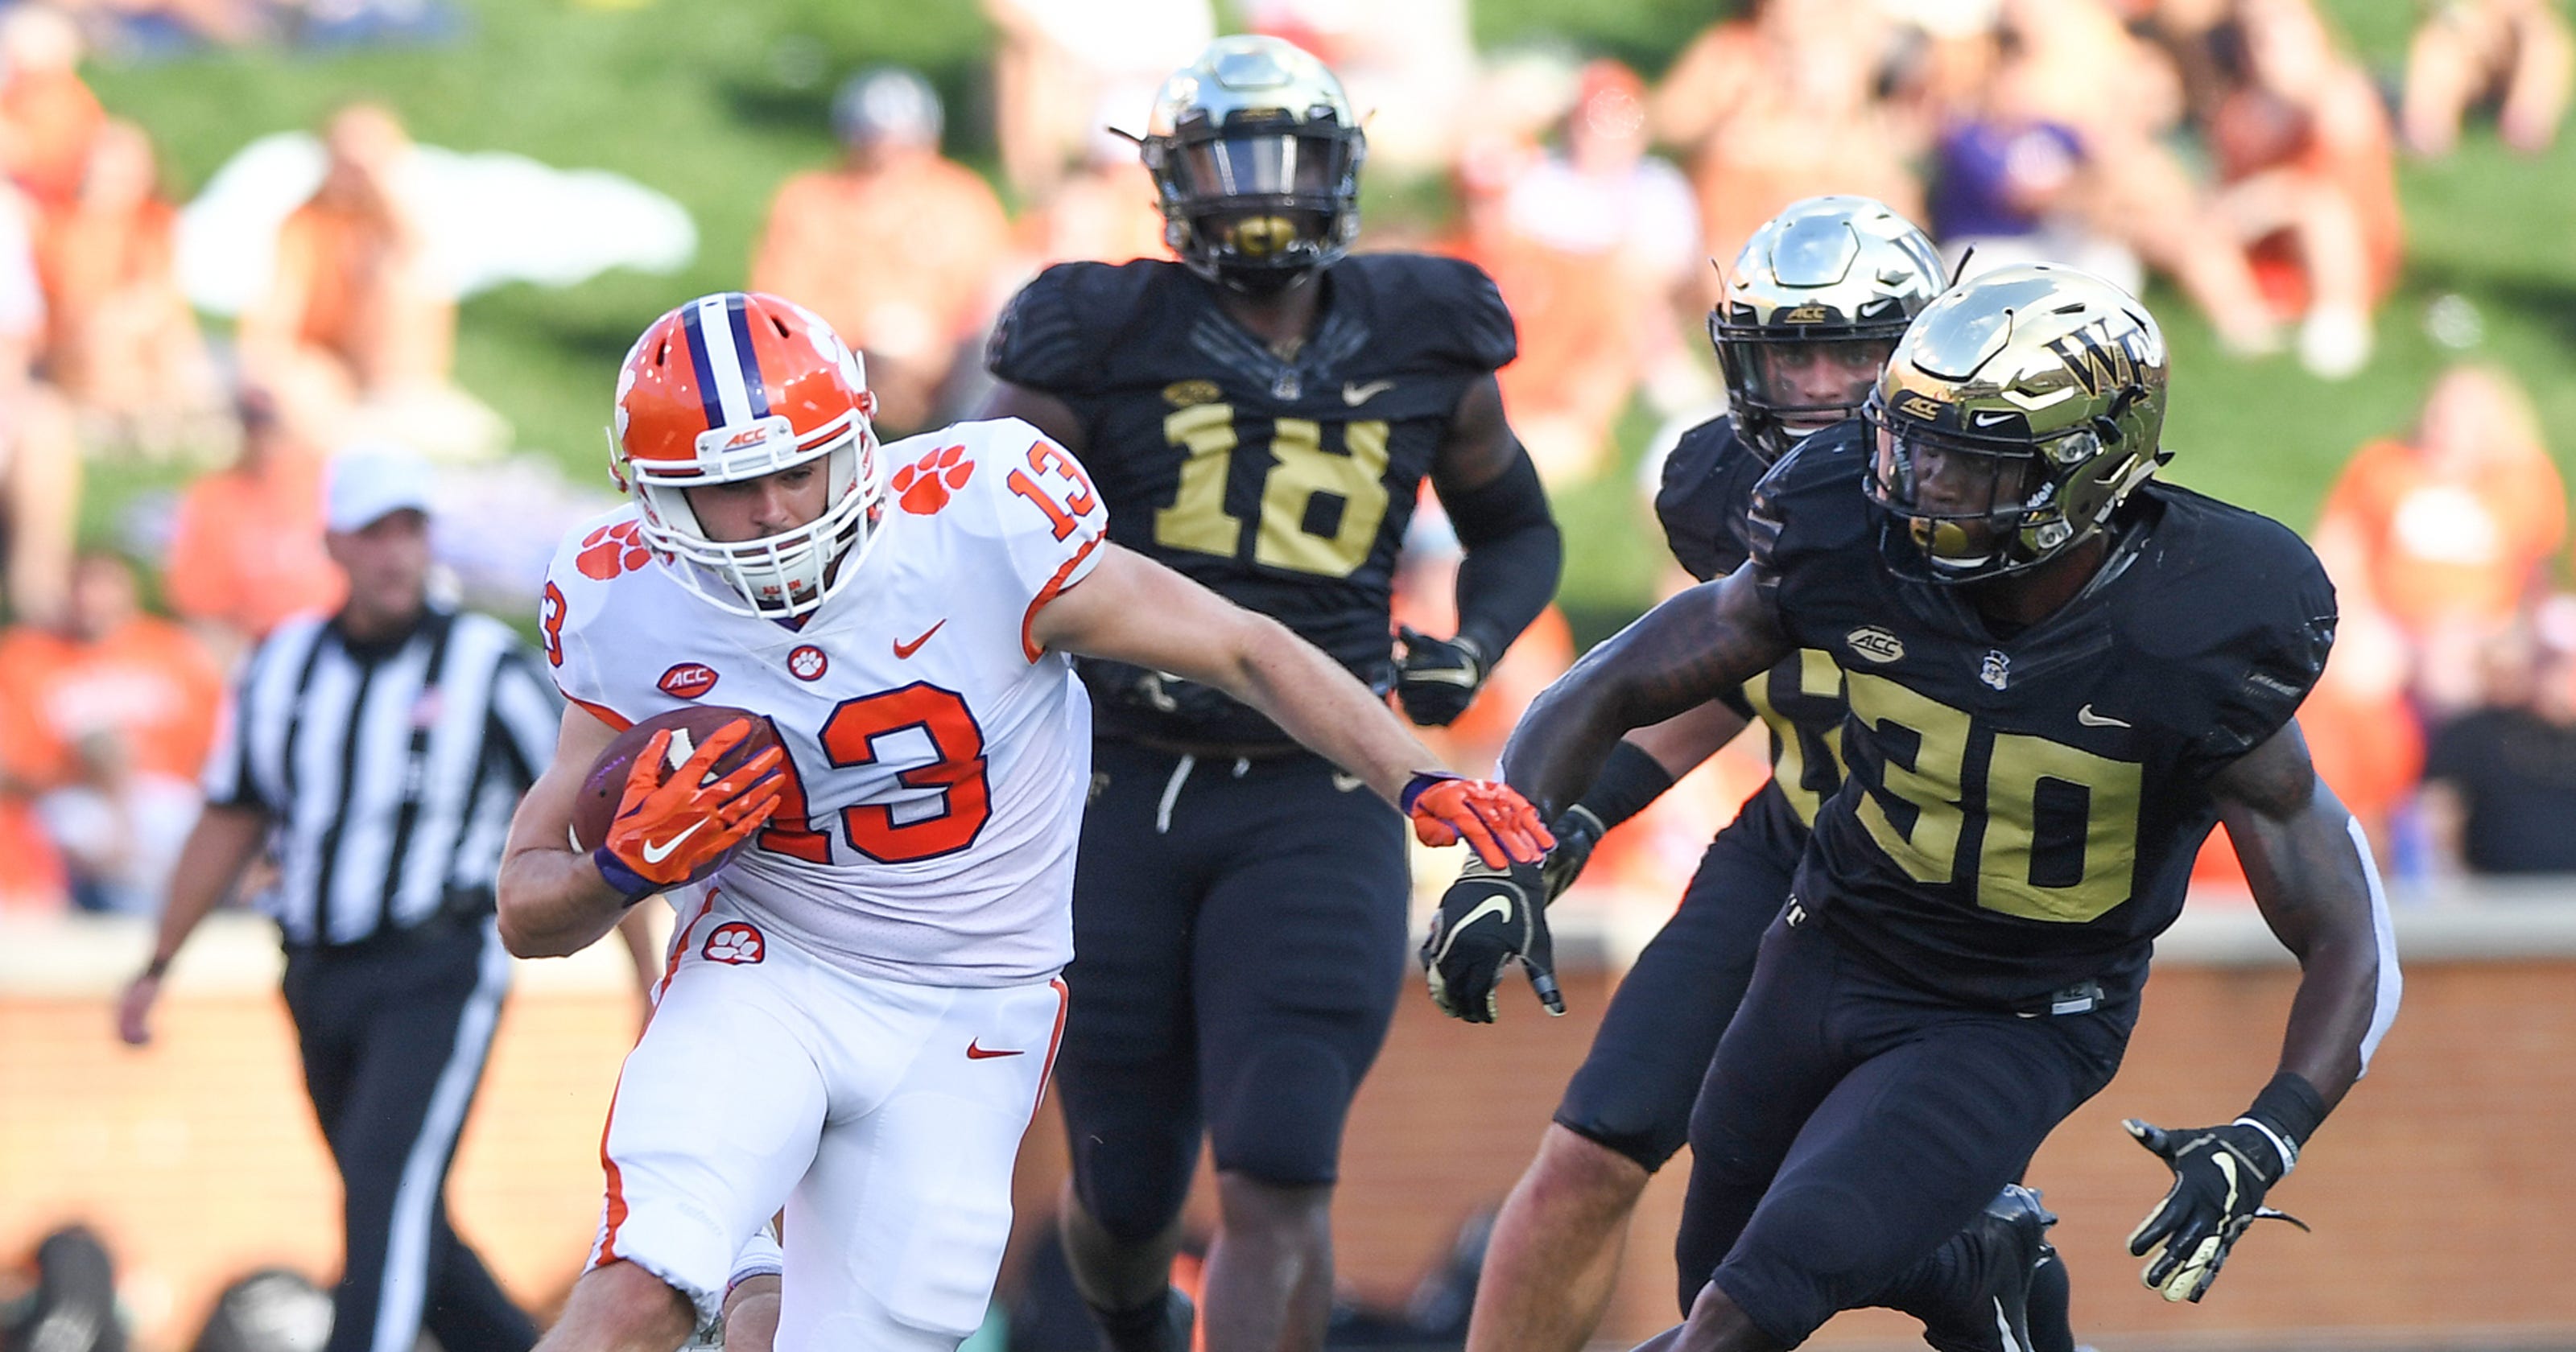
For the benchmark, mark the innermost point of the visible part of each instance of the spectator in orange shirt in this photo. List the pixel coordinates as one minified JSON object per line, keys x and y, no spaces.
{"x":897,"y":249}
{"x":122,"y":342}
{"x":2454,"y":525}
{"x":354,"y":312}
{"x":105,"y":720}
{"x":47,"y":114}
{"x":248,"y":551}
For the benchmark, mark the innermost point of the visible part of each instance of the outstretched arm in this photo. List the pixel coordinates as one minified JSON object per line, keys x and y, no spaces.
{"x":1682,"y":654}
{"x":1132,"y":609}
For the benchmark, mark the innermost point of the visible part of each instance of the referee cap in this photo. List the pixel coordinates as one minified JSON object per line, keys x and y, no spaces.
{"x":371,"y":481}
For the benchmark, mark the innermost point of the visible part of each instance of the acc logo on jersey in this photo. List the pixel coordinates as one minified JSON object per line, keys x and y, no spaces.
{"x":923,"y":487}
{"x":807,"y":663}
{"x":1189,"y":393}
{"x":687,"y":680}
{"x":734,"y":942}
{"x":611,"y":550}
{"x":1875,"y":643}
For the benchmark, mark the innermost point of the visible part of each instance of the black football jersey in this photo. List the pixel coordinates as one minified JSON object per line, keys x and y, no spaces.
{"x":2022,"y":812}
{"x":1283,"y":485}
{"x":1707,"y":488}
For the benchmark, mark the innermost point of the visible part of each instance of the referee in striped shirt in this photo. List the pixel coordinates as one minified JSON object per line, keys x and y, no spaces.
{"x":377,"y":755}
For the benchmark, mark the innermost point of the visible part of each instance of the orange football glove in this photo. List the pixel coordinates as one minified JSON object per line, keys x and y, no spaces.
{"x":669,"y":830}
{"x":1495,"y":821}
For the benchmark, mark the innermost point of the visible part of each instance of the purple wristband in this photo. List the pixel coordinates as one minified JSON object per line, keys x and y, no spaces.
{"x":1421,"y":783}
{"x":630,"y":884}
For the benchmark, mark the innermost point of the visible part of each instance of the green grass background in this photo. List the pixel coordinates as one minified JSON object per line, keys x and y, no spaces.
{"x":714,"y":101}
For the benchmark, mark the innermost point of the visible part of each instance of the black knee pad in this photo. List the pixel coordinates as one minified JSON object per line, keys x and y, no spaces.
{"x":1278,"y":1117}
{"x":1814,"y":1248}
{"x":1136,"y":1186}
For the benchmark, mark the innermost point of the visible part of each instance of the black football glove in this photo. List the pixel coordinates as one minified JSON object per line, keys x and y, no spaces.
{"x":1437,"y":679}
{"x":1576,"y":832}
{"x":2220,"y":1176}
{"x":1487,"y":917}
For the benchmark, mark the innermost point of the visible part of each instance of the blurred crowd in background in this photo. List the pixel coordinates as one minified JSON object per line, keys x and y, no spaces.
{"x":2232,"y":147}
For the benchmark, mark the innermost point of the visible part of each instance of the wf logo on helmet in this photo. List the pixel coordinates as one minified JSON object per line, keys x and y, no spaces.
{"x":687,"y":680}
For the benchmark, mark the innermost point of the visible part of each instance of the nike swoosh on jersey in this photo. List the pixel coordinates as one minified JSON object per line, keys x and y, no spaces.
{"x":2090,"y":719}
{"x":975,"y":1052}
{"x":1344,"y":782}
{"x":1356,"y":395}
{"x":903,"y":650}
{"x":654,"y":854}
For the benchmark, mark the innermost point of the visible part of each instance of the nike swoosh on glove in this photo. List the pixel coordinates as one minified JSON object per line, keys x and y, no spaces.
{"x":2220,"y":1176}
{"x":1437,"y":678}
{"x":669,"y":830}
{"x":1490,"y":816}
{"x":1487,"y":917}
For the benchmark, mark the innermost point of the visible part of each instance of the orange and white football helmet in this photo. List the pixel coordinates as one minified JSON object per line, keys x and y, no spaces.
{"x":733,"y":386}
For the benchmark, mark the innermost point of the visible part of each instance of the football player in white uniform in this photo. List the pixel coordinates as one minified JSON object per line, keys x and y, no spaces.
{"x":861,"y":1006}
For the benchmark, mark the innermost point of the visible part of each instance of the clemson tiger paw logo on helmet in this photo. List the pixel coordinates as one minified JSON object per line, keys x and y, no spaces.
{"x":924,"y":485}
{"x":611,"y":550}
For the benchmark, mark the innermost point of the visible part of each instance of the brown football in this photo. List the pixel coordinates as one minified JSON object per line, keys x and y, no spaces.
{"x":596,"y":807}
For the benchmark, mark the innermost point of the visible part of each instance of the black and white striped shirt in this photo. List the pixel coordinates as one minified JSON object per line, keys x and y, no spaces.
{"x":388,"y":771}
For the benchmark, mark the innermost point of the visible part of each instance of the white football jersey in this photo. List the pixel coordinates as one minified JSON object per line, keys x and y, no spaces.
{"x":940,"y":757}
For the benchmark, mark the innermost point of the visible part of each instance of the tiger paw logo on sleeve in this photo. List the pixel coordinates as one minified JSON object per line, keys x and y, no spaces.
{"x":611,"y":550}
{"x":923,"y":487}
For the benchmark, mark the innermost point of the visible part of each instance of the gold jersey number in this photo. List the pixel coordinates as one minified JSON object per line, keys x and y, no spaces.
{"x":2019,"y":769}
{"x":1302,"y":469}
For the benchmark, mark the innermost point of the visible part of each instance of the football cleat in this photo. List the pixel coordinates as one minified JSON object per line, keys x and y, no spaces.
{"x":2016,"y":415}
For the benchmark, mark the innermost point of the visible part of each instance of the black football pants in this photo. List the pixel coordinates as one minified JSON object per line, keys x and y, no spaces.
{"x":394,"y":1032}
{"x":1852,"y":1122}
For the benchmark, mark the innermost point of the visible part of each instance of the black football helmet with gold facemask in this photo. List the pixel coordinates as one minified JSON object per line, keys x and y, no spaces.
{"x":2019,"y":411}
{"x":1256,"y":158}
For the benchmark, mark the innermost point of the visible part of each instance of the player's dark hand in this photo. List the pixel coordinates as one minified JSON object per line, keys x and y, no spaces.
{"x":1577,"y":831}
{"x":2220,"y":1176}
{"x":1486,"y":918}
{"x":1437,"y":678}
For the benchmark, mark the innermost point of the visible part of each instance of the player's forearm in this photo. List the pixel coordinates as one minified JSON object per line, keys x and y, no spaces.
{"x":211,"y":860}
{"x":1515,"y":554}
{"x":554,"y":903}
{"x":1679,"y":656}
{"x":1321,"y":705}
{"x":2313,"y":878}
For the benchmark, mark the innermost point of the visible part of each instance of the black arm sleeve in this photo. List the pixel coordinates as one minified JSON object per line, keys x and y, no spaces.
{"x":1514,"y":554}
{"x":1629,"y":781}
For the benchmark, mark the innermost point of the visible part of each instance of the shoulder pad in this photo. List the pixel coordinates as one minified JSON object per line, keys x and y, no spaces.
{"x":2243,"y":601}
{"x":1702,"y":521}
{"x":1050,"y":337}
{"x":1449,"y":307}
{"x":1811,"y":500}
